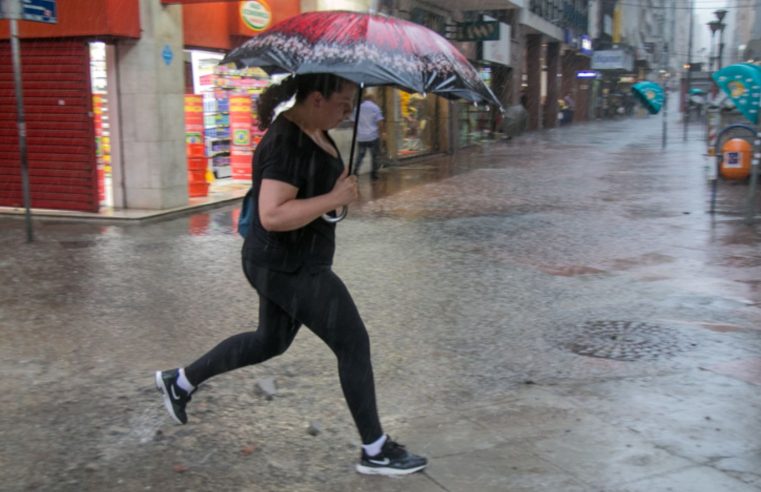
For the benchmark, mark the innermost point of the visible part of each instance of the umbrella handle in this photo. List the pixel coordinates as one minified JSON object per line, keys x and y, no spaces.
{"x":337,"y":218}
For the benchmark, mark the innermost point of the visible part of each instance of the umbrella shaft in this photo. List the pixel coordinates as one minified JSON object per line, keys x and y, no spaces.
{"x":356,"y":124}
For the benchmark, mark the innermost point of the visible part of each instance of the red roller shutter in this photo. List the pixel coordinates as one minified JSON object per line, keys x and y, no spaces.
{"x":60,"y":134}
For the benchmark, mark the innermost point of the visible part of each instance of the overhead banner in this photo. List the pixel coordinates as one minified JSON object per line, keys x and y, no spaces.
{"x":612,"y":60}
{"x":498,"y":51}
{"x":477,"y":31}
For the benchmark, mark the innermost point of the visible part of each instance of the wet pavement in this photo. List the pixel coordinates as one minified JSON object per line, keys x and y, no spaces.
{"x":559,"y":313}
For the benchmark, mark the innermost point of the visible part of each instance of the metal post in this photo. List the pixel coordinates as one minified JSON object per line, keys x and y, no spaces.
{"x":689,"y":73}
{"x":665,"y":117}
{"x":21,"y":122}
{"x":356,"y":125}
{"x":753,"y":178}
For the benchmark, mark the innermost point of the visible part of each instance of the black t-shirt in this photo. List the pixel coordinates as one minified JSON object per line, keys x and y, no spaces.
{"x":287,"y":154}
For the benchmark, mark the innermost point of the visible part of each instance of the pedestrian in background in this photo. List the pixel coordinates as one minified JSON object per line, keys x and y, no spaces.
{"x":287,"y":258}
{"x":369,"y":131}
{"x":570,"y":109}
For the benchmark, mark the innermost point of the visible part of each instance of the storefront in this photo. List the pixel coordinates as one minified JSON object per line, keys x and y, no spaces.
{"x":227,"y":96}
{"x":475,"y":123}
{"x":493,"y":62}
{"x":414,"y":121}
{"x":120,"y":63}
{"x":67,"y":128}
{"x":611,"y":88}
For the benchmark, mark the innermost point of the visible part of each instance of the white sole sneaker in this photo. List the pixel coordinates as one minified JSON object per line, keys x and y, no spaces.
{"x":167,"y":399}
{"x":389,"y":472}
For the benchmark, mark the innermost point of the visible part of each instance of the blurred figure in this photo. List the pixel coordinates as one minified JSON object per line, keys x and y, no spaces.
{"x":570,"y":109}
{"x":370,"y":129}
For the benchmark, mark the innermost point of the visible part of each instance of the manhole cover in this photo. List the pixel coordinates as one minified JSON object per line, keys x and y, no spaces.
{"x":622,"y":340}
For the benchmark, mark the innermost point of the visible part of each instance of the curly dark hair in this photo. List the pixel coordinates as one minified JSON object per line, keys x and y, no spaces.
{"x":301,"y":85}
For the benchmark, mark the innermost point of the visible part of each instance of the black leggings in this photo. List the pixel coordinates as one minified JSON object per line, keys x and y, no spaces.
{"x":321,"y":301}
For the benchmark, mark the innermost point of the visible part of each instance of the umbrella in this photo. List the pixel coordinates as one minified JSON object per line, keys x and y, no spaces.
{"x":650,"y":95}
{"x":368,"y":49}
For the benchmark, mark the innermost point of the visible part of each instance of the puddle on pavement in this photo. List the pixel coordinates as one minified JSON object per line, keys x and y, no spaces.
{"x":570,"y":270}
{"x":742,"y":261}
{"x":76,"y":244}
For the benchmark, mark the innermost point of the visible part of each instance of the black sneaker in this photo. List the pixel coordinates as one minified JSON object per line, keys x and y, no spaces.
{"x":175,"y":398}
{"x":392,"y":460}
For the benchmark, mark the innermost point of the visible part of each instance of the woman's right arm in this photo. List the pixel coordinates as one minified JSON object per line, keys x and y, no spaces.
{"x":280,"y":210}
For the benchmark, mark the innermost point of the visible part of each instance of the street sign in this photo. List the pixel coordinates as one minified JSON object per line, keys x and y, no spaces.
{"x":39,"y":11}
{"x":477,"y":31}
{"x":30,"y":10}
{"x":587,"y":74}
{"x":35,"y":11}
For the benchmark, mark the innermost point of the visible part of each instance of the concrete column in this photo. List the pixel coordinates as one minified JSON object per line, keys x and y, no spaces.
{"x":502,"y":79}
{"x":583,"y":90}
{"x":553,"y":67}
{"x":151,"y":107}
{"x":568,"y":69}
{"x":502,"y":84}
{"x":534,"y":80}
{"x":517,"y":52}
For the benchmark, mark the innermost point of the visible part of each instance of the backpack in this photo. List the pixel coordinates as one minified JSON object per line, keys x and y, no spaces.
{"x":246,"y":214}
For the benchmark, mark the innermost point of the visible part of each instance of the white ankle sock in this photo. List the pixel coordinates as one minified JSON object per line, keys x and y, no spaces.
{"x":182,"y":382}
{"x":374,"y":448}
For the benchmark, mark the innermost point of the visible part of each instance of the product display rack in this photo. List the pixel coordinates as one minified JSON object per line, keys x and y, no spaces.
{"x":221,"y":150}
{"x":216,"y":106}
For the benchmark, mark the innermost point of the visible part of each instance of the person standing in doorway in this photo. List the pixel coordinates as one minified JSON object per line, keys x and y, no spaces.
{"x":369,"y":131}
{"x":287,"y":257}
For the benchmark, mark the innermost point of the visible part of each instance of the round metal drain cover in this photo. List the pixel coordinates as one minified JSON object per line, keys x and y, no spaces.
{"x":622,"y":340}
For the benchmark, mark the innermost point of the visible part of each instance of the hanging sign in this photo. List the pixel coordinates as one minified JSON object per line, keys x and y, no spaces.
{"x":477,"y":31}
{"x":39,"y":11}
{"x":30,"y":10}
{"x":587,"y":74}
{"x":256,"y":15}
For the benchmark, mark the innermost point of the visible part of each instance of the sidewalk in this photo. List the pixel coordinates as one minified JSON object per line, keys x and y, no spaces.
{"x":223,"y":193}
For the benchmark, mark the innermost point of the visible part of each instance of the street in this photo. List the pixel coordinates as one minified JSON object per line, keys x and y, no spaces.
{"x":556,"y":313}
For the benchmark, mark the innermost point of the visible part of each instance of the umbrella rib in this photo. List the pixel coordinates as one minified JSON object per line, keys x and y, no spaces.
{"x":445,"y":83}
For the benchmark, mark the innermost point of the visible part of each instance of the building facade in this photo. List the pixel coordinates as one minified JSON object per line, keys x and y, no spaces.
{"x":107,"y":89}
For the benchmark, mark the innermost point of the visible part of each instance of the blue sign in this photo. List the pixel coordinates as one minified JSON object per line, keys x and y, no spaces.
{"x":586,"y":45}
{"x":39,"y":11}
{"x":167,"y":54}
{"x":587,"y":74}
